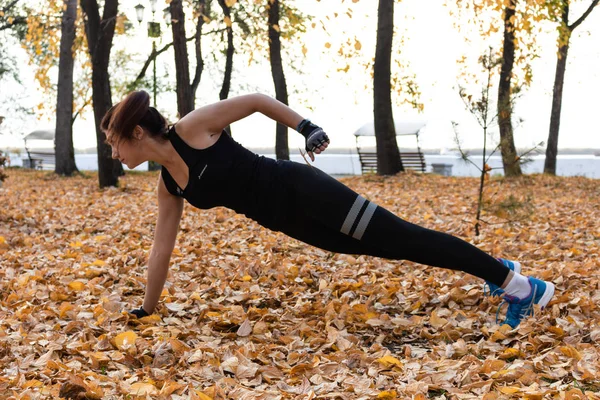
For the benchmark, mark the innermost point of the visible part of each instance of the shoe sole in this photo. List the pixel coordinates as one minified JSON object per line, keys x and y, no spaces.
{"x":547,"y":296}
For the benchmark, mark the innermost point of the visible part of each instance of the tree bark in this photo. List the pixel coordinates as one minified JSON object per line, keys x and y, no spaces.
{"x":64,"y":151}
{"x":388,"y":155}
{"x":202,"y":8}
{"x":512,"y":167}
{"x":100,"y":33}
{"x":559,"y":80}
{"x":229,"y":54}
{"x":185,"y":97}
{"x":282,"y":151}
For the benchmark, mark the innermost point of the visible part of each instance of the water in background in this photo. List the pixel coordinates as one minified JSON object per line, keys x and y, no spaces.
{"x":348,"y":164}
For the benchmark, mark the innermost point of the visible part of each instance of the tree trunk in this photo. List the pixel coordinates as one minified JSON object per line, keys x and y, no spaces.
{"x":185,"y":97}
{"x":282,"y":151}
{"x":559,"y":80}
{"x":512,"y":167}
{"x":230,"y":50}
{"x":64,"y":152}
{"x":99,"y":33}
{"x":388,"y":155}
{"x":224,"y":93}
{"x":202,"y":9}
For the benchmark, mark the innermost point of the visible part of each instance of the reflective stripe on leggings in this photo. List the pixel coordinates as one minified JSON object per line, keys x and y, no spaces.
{"x":353,"y":215}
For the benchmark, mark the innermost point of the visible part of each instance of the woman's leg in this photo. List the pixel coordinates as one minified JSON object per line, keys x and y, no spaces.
{"x":378,"y":232}
{"x":372,"y":230}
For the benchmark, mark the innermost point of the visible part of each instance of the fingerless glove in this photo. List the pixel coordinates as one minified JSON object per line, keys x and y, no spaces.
{"x":315,"y":136}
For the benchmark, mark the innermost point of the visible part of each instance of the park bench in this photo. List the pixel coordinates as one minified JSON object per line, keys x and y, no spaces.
{"x":411,"y":160}
{"x":40,"y":157}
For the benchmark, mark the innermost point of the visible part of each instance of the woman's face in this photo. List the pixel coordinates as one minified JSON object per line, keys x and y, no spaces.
{"x":127,"y":151}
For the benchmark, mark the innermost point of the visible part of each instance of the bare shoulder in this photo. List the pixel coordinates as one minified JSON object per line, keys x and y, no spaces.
{"x":212,"y":118}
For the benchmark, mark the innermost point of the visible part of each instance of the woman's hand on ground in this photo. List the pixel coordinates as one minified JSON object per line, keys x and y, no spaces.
{"x":139,"y":312}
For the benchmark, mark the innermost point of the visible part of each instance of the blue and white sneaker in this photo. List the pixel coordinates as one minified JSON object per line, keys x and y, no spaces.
{"x":491,"y":289}
{"x":541,"y":294}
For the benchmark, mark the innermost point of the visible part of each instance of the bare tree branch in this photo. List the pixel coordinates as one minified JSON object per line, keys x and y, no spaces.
{"x":587,"y":12}
{"x":152,"y":56}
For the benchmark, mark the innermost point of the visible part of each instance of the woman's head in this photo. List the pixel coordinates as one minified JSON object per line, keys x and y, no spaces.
{"x":128,"y":123}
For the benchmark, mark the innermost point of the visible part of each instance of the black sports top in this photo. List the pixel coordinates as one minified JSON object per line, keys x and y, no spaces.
{"x":227,"y":174}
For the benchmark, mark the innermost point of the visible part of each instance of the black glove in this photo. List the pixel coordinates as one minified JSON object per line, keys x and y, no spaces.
{"x":315,"y":136}
{"x":140,"y":312}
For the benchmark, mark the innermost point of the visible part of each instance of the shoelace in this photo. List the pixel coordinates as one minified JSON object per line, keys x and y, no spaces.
{"x":520,"y":314}
{"x":486,"y":289}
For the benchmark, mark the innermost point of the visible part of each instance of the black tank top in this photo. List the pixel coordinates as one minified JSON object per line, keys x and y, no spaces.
{"x":227,"y":174}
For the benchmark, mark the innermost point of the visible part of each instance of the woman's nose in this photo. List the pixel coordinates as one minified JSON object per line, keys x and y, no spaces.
{"x":115,"y":154}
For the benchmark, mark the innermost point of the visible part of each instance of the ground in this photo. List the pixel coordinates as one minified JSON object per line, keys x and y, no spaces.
{"x":251,"y":314}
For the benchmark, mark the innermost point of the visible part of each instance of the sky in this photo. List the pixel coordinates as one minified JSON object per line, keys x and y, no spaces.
{"x":340,"y":103}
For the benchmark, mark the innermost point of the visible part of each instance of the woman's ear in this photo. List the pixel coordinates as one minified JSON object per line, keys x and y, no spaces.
{"x":138,"y":132}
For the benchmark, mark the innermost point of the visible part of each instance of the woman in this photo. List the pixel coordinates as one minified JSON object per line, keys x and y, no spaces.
{"x":206,"y":167}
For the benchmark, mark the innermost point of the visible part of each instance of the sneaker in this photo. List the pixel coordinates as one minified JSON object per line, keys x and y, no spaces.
{"x":541,"y":294}
{"x":491,"y":289}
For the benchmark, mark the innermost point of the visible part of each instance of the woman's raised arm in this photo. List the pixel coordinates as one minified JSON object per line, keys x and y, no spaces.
{"x":215,"y":117}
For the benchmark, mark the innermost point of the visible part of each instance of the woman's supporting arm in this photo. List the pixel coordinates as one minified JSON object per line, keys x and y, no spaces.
{"x":170,"y":209}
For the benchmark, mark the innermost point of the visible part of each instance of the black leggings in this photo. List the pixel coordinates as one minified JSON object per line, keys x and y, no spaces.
{"x":327,"y":214}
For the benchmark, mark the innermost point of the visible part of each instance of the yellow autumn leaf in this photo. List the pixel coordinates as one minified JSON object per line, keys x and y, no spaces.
{"x":202,"y":396}
{"x":227,"y":21}
{"x":510,"y":390}
{"x":64,"y":308}
{"x":230,"y":3}
{"x":99,"y":263}
{"x":276,"y":28}
{"x":357,"y":45}
{"x":389,"y":361}
{"x":510,"y":353}
{"x":143,"y":389}
{"x":178,"y":346}
{"x":327,"y":45}
{"x":2,"y":240}
{"x":387,"y":395}
{"x":33,"y":383}
{"x":570,"y":352}
{"x":125,"y":340}
{"x":436,"y":321}
{"x":246,"y":278}
{"x":153,"y":318}
{"x":77,"y":286}
{"x":76,"y":244}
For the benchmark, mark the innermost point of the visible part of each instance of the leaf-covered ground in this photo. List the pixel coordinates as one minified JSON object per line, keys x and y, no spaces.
{"x":251,"y":314}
